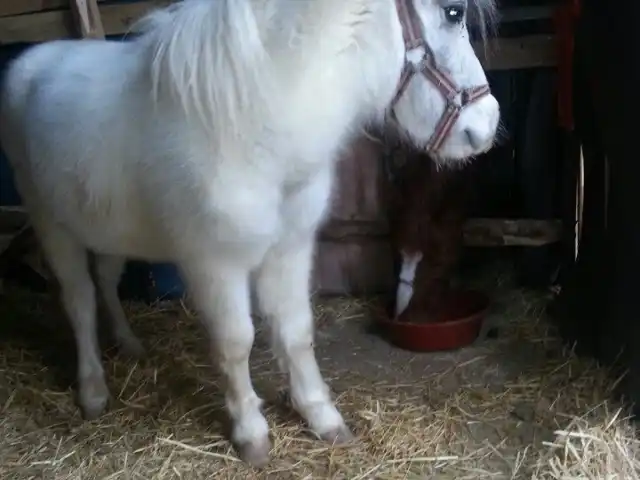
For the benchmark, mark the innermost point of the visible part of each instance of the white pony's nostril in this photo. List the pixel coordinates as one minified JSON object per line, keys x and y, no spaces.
{"x":474,"y":140}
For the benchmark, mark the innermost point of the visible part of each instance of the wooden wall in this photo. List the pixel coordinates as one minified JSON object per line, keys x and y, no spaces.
{"x":354,"y":254}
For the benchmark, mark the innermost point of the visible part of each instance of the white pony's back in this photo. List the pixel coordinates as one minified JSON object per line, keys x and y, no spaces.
{"x":75,"y":150}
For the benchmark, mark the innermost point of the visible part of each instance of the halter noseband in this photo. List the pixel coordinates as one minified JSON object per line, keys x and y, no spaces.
{"x":456,"y":99}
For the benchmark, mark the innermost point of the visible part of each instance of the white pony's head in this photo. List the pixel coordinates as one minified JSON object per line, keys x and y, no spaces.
{"x":441,"y":62}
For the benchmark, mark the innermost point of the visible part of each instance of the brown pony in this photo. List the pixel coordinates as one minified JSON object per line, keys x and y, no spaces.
{"x":426,"y":220}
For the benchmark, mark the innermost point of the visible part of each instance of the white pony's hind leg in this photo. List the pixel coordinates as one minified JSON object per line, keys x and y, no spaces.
{"x":69,"y":262}
{"x":220,"y":291}
{"x":109,"y":269}
{"x":283,"y":295}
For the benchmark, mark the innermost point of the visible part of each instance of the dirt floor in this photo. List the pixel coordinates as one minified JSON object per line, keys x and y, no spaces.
{"x":514,"y":405}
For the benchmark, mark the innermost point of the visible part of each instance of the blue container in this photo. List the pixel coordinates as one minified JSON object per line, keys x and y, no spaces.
{"x":151,"y":282}
{"x":166,"y":283}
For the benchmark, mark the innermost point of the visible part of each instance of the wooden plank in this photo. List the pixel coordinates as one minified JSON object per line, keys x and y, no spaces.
{"x":44,"y":26}
{"x":526,"y":13}
{"x":17,"y":7}
{"x":477,"y":232}
{"x":502,"y":232}
{"x":87,"y":18}
{"x":530,"y":51}
{"x":364,"y":266}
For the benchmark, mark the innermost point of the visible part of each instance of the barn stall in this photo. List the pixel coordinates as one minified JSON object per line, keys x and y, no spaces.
{"x":517,"y":403}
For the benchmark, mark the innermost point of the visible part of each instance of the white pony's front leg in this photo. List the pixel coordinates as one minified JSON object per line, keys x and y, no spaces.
{"x":220,"y":292}
{"x":282,"y":286}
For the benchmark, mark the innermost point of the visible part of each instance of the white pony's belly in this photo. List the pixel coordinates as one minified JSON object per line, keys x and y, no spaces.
{"x":103,"y":216}
{"x":126,"y":235}
{"x":242,"y":226}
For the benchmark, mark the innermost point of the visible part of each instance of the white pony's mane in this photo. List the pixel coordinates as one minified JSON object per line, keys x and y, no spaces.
{"x":208,"y":54}
{"x":213,"y":57}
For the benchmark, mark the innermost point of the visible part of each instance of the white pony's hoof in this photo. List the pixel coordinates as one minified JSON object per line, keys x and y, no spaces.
{"x":256,"y":453}
{"x":94,"y":408}
{"x":93,"y":411}
{"x":94,"y":398}
{"x":338,"y":436}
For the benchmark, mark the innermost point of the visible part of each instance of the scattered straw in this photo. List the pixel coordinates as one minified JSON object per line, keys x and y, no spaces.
{"x":516,"y":407}
{"x":585,"y":449}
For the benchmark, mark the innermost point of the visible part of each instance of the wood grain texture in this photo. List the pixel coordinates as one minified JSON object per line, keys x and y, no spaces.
{"x":17,"y":7}
{"x":56,"y":24}
{"x":87,"y":18}
{"x":357,"y":266}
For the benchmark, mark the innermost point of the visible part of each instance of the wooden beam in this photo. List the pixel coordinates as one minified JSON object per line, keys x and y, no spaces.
{"x":18,"y":7}
{"x":530,"y":51}
{"x":87,"y":18}
{"x":526,"y":13}
{"x":502,"y":232}
{"x":477,"y":232}
{"x":56,"y":24}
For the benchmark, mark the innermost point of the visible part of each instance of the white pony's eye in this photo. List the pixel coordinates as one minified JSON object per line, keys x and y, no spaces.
{"x":454,"y":13}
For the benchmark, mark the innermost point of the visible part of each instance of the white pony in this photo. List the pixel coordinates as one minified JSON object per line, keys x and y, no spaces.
{"x":210,"y":141}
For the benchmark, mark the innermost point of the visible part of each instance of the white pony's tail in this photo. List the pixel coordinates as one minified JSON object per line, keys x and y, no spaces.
{"x":211,"y":57}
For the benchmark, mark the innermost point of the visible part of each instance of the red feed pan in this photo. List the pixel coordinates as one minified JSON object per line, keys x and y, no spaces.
{"x":457,"y":325}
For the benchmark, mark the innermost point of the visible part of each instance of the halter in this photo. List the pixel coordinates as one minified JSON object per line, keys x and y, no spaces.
{"x":456,"y":99}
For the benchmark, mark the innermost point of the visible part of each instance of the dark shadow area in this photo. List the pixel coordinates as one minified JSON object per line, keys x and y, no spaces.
{"x":40,"y":330}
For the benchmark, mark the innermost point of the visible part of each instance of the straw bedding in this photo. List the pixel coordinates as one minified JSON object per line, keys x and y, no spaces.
{"x":513,"y":406}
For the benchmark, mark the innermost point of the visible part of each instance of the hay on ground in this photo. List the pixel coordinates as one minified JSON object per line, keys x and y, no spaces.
{"x":519,"y":406}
